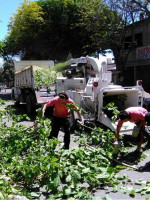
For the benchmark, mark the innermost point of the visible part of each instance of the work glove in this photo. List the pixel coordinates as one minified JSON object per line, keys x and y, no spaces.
{"x":116,"y":146}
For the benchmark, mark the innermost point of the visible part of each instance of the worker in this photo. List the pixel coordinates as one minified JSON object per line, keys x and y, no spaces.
{"x":138,"y":115}
{"x":61,"y":116}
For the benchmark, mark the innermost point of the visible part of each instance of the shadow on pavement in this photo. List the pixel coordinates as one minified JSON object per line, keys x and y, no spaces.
{"x":147,"y":169}
{"x":132,"y":157}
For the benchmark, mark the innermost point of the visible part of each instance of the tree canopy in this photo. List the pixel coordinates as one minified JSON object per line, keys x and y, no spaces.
{"x":53,"y":29}
{"x":8,"y":71}
{"x":2,"y":44}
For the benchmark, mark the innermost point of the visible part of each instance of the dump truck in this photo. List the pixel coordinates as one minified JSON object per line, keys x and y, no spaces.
{"x":30,"y":86}
{"x":94,"y":90}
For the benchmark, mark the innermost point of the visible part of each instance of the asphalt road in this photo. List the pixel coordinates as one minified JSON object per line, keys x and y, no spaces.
{"x":132,"y":174}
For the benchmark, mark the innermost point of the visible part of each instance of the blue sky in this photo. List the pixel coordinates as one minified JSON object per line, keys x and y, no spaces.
{"x":7,"y":8}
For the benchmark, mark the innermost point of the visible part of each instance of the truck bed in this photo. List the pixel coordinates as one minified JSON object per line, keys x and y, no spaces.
{"x":24,"y":79}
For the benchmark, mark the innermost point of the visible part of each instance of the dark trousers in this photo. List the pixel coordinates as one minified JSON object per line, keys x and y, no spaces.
{"x":57,"y":123}
{"x":143,"y":133}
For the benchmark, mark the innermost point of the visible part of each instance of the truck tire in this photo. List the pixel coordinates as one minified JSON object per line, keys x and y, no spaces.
{"x":13,"y":95}
{"x":28,"y":105}
{"x":16,"y":100}
{"x":17,"y":103}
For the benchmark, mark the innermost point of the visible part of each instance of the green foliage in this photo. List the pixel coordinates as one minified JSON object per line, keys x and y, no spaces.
{"x":59,"y":67}
{"x":101,"y":24}
{"x":28,"y":156}
{"x":24,"y":28}
{"x":112,"y":111}
{"x":2,"y":45}
{"x":113,"y":104}
{"x":58,"y":29}
{"x":119,"y":100}
{"x":7,"y":189}
{"x":39,"y":113}
{"x":73,"y":107}
{"x":76,"y":108}
{"x":29,"y":159}
{"x":8,"y":71}
{"x":44,"y":77}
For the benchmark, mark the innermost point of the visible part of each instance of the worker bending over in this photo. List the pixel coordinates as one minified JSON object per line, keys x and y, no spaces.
{"x":138,"y":115}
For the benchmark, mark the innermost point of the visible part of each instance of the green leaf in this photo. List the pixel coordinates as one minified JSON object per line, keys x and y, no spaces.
{"x":140,"y":182}
{"x":65,"y":153}
{"x":123,"y":190}
{"x":76,"y":175}
{"x":33,"y":194}
{"x":54,"y":159}
{"x":129,"y":188}
{"x":2,"y":196}
{"x":115,"y":188}
{"x":139,"y":190}
{"x":106,"y":197}
{"x":80,"y":165}
{"x":132,"y":192}
{"x":86,"y":170}
{"x":67,"y":192}
{"x":2,"y":182}
{"x":68,"y":178}
{"x":13,"y":190}
{"x":57,"y":182}
{"x":103,"y":176}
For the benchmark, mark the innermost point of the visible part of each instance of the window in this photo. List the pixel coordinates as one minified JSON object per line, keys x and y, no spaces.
{"x":139,"y":39}
{"x":127,"y":42}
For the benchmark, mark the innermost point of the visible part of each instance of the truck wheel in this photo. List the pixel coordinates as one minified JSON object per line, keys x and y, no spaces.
{"x":13,"y":95}
{"x":17,"y":103}
{"x":28,"y":105}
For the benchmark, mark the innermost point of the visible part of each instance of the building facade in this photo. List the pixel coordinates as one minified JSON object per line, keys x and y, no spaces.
{"x":138,"y":63}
